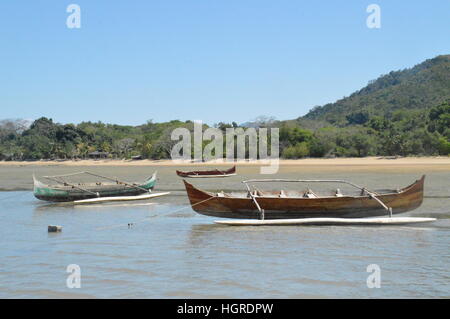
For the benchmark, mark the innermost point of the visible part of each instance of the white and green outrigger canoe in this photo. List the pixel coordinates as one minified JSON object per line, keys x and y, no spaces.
{"x":64,"y":191}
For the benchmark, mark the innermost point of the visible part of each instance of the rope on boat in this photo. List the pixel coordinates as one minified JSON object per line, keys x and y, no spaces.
{"x":66,"y":175}
{"x":147,"y":218}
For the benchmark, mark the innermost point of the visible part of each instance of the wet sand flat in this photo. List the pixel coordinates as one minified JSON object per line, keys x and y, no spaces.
{"x":440,"y":162}
{"x":18,"y":175}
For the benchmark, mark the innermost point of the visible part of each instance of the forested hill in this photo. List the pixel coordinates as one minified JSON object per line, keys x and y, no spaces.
{"x":402,"y":113}
{"x":421,"y":87}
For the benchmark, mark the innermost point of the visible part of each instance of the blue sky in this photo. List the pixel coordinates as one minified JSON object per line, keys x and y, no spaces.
{"x":210,"y":60}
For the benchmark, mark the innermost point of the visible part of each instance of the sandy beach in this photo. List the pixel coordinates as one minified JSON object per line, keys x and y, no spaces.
{"x":373,"y":162}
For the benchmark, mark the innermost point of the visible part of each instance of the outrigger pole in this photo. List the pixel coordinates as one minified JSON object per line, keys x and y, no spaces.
{"x":371,"y":194}
{"x":75,"y":186}
{"x":261,"y":211}
{"x":89,"y":173}
{"x":117,"y":181}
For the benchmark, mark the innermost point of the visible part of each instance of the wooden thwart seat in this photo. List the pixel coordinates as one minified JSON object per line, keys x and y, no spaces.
{"x":310,"y":194}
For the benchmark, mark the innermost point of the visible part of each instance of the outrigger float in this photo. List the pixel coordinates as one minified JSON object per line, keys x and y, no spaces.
{"x":86,"y":193}
{"x":256,"y":207}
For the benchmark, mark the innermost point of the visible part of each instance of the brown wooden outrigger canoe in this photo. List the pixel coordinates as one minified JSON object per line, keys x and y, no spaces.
{"x":209,"y":173}
{"x":255,"y":204}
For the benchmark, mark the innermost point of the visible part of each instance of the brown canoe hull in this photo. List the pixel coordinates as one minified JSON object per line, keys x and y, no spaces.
{"x":210,"y":204}
{"x":209,"y":173}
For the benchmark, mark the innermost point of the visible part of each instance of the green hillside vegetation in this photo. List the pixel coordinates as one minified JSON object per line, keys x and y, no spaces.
{"x":403,"y":132}
{"x":402,"y":113}
{"x":419,"y":88}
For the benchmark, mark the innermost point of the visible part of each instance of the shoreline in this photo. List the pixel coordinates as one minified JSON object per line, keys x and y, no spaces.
{"x":364,"y":161}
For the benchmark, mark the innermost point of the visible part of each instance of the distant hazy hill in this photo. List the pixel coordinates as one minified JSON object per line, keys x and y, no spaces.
{"x":423,"y":86}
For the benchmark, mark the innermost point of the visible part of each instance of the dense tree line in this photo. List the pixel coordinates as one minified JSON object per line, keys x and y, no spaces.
{"x":402,"y":132}
{"x":44,"y":139}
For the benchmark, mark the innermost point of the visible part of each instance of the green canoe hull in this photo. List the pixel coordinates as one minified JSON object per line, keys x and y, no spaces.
{"x":70,"y":193}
